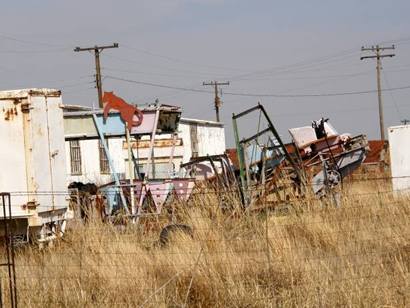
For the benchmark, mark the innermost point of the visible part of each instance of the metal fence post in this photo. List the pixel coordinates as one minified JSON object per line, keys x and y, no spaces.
{"x":8,"y":236}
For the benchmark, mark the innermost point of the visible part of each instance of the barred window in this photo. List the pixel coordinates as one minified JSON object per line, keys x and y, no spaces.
{"x":104,"y":164}
{"x":193,"y":130}
{"x":75,"y":155}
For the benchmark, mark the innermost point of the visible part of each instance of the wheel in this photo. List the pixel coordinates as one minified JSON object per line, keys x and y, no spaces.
{"x":164,"y":236}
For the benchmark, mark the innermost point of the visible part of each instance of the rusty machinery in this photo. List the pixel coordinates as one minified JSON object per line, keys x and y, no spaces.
{"x":272,"y":173}
{"x":262,"y":157}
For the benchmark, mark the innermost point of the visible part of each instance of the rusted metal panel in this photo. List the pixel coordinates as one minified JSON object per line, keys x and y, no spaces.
{"x":13,"y":152}
{"x":55,"y":131}
{"x":159,"y":143}
{"x":40,"y":147}
{"x":377,"y":152}
{"x":25,"y":93}
{"x":233,"y":156}
{"x":33,"y":151}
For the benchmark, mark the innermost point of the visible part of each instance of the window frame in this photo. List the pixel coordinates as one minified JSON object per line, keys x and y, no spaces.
{"x":103,"y":159}
{"x":75,"y":157}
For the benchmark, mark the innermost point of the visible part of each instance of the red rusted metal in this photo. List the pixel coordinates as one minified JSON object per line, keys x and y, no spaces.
{"x":377,"y":152}
{"x":126,"y":110}
{"x":233,"y":156}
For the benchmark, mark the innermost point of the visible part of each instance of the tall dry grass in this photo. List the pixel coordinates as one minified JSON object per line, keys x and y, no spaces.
{"x":314,"y":255}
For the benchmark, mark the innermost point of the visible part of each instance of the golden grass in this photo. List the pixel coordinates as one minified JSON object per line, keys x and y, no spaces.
{"x":312,"y":256}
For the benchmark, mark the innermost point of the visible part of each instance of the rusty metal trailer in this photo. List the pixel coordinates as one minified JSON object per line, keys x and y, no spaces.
{"x":32,"y":162}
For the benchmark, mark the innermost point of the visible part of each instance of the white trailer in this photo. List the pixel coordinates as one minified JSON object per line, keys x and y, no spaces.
{"x":399,"y":144}
{"x":33,"y":163}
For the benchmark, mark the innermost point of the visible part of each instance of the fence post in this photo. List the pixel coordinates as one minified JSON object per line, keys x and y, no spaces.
{"x":1,"y":294}
{"x":9,"y":241}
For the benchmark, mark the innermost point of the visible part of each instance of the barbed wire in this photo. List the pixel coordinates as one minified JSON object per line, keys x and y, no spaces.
{"x":258,"y":187}
{"x":361,"y":254}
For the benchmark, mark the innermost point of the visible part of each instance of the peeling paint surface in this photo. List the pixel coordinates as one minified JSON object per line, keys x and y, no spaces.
{"x":211,"y":141}
{"x":32,"y":158}
{"x":399,"y":143}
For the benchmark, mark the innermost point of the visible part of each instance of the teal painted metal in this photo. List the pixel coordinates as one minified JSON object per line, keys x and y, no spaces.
{"x":80,"y":125}
{"x":107,"y":153}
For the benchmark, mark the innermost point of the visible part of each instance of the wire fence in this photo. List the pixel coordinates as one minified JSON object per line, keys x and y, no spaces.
{"x":313,"y":255}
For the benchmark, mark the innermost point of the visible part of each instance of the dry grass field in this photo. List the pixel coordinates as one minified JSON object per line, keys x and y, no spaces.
{"x":314,"y":255}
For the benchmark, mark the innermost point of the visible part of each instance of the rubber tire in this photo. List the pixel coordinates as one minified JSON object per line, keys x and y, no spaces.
{"x":168,"y":230}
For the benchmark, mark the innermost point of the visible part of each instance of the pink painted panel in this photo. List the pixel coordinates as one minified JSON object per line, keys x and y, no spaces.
{"x":159,"y":192}
{"x":147,"y":125}
{"x":183,"y":188}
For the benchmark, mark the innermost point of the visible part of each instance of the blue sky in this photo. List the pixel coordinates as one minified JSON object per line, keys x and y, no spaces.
{"x":274,"y":47}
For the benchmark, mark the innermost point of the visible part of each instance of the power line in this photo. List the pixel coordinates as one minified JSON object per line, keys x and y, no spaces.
{"x":311,"y":77}
{"x":157,"y":85}
{"x":176,"y":60}
{"x":161,"y":67}
{"x":392,"y":97}
{"x":301,"y":65}
{"x":11,"y":38}
{"x":316,"y":95}
{"x":76,"y":91}
{"x":289,"y":68}
{"x":180,"y":75}
{"x":405,"y":39}
{"x":218,"y":103}
{"x":25,"y":51}
{"x":97,"y":50}
{"x":73,"y":85}
{"x":255,"y":94}
{"x":378,"y":56}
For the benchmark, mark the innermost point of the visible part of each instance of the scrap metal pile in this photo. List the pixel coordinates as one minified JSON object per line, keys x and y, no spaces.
{"x":142,"y":194}
{"x":269,"y":172}
{"x":317,"y":160}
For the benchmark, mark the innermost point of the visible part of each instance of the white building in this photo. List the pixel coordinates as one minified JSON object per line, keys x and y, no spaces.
{"x":399,"y":143}
{"x":86,"y":160}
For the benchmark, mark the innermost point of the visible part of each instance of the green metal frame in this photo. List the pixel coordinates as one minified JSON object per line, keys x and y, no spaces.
{"x":241,"y":143}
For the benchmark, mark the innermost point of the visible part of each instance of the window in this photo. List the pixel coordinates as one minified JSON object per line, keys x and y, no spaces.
{"x":75,"y":154}
{"x":193,"y":130}
{"x":104,"y":163}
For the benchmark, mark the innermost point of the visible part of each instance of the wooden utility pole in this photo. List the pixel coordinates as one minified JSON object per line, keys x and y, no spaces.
{"x":218,"y":103}
{"x":378,"y":56}
{"x":97,"y":50}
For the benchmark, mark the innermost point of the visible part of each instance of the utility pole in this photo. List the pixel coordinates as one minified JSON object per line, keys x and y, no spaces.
{"x":378,"y":56}
{"x":97,"y":50}
{"x":217,"y":99}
